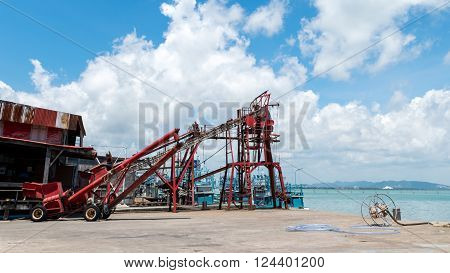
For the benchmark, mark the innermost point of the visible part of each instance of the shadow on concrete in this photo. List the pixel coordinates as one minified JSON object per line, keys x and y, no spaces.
{"x":149,"y":219}
{"x":73,"y":219}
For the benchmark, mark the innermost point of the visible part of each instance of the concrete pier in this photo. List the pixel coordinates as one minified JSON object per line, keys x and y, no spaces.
{"x":213,"y":231}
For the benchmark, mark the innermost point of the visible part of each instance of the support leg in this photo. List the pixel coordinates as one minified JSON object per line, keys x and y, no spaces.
{"x":283,"y":189}
{"x":6,"y":214}
{"x":46,"y":166}
{"x":174,"y":185}
{"x":230,"y":188}
{"x":192,"y":184}
{"x":174,"y":200}
{"x":222,"y":191}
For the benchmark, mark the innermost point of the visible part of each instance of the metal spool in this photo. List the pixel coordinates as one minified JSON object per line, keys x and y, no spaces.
{"x":375,"y":210}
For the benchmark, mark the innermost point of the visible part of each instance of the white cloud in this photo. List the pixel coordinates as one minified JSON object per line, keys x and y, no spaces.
{"x":203,"y":58}
{"x":344,"y":27}
{"x":353,"y":137}
{"x":267,"y":19}
{"x":6,"y":89}
{"x":41,"y":78}
{"x":290,"y":41}
{"x":397,"y":101}
{"x":292,"y":69}
{"x":447,"y":58}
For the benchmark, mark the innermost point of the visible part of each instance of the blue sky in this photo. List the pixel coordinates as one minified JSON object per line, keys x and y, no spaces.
{"x":96,"y":24}
{"x":373,"y":118}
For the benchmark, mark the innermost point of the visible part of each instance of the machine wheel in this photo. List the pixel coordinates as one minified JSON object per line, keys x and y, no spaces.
{"x":38,"y":213}
{"x":91,"y":213}
{"x":106,"y":213}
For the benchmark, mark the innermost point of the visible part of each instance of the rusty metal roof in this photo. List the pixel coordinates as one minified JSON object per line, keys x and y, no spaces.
{"x":21,"y":113}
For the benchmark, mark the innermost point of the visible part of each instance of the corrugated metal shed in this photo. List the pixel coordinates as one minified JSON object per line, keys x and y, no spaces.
{"x":20,"y":113}
{"x":75,"y":151}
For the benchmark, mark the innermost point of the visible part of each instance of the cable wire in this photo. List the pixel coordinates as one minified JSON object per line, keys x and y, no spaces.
{"x":88,"y":50}
{"x":404,"y":26}
{"x":349,"y":197}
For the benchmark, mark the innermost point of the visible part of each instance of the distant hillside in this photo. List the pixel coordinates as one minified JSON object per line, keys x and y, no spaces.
{"x":397,"y":185}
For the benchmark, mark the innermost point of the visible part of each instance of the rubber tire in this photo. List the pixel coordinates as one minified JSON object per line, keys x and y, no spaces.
{"x":110,"y":211}
{"x":36,"y":210}
{"x":87,"y":214}
{"x":106,"y":215}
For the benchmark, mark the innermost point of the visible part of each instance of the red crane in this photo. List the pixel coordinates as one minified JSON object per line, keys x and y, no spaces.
{"x":254,"y":135}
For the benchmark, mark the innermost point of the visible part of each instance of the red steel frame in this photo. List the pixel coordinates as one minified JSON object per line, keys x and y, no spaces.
{"x":254,"y":136}
{"x":175,"y":180}
{"x":62,"y":203}
{"x":253,"y":140}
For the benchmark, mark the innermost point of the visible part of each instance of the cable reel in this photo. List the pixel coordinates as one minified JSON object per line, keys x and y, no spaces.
{"x":380,"y":210}
{"x":377,"y":210}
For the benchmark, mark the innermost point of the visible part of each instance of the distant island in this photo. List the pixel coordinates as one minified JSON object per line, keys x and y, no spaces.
{"x":386,"y":185}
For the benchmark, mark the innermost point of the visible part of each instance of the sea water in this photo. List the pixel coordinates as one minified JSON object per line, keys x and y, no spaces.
{"x":420,"y":205}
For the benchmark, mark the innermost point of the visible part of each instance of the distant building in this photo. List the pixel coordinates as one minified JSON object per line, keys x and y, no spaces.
{"x":40,"y":145}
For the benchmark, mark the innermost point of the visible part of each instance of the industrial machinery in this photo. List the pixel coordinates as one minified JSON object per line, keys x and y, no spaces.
{"x":56,"y":203}
{"x":249,"y":139}
{"x":380,"y":210}
{"x":375,"y":210}
{"x":175,"y":153}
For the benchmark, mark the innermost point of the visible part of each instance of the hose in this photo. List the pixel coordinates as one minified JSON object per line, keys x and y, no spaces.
{"x":326,"y":227}
{"x":405,"y":225}
{"x":312,"y":227}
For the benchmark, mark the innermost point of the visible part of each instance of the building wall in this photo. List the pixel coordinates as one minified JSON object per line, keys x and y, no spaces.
{"x":38,"y":133}
{"x":33,"y":132}
{"x":16,"y":130}
{"x":55,"y":136}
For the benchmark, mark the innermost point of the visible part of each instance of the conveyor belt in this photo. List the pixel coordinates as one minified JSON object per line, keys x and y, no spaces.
{"x":194,"y":139}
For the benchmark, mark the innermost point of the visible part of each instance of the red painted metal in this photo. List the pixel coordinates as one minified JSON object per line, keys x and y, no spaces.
{"x":44,"y":117}
{"x":253,"y":136}
{"x":173,"y":185}
{"x":177,"y":181}
{"x":60,"y":203}
{"x":16,"y":130}
{"x":54,"y":136}
{"x":174,"y":182}
{"x":145,"y":175}
{"x":191,"y":186}
{"x":35,"y":190}
{"x":52,"y":195}
{"x":80,"y":195}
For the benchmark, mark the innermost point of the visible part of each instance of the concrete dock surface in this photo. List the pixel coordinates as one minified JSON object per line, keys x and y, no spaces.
{"x":214,"y":231}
